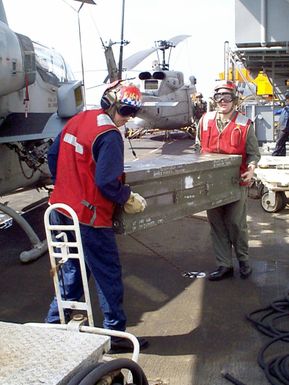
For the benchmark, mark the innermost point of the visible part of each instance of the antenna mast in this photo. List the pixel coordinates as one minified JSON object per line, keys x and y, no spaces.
{"x":122,"y":42}
{"x":163,"y":45}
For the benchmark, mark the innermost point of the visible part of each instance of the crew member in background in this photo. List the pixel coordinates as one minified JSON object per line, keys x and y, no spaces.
{"x":87,"y":163}
{"x":283,"y":129}
{"x":227,"y":131}
{"x":200,"y":107}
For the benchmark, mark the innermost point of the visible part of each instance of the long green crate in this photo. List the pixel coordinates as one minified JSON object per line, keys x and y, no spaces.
{"x":179,"y":185}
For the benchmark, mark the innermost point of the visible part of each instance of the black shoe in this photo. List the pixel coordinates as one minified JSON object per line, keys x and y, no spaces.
{"x":221,"y":273}
{"x":124,"y":345}
{"x":245,"y":269}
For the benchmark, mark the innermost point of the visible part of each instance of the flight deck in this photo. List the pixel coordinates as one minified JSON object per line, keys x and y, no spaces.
{"x":196,"y":328}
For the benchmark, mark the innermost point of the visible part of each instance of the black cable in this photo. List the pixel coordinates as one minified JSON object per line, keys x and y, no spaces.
{"x":276,"y":368}
{"x":122,"y":363}
{"x":132,"y":150}
{"x":259,"y":324}
{"x":264,"y":319}
{"x":92,"y":374}
{"x":81,"y":374}
{"x":232,"y":379}
{"x":278,"y":317}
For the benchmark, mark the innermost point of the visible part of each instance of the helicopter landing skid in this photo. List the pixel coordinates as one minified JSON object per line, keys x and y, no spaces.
{"x":39,"y":247}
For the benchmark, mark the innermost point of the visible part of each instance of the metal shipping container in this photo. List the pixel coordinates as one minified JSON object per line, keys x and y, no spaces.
{"x":176,"y":186}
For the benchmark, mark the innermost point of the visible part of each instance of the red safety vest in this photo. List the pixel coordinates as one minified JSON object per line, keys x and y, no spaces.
{"x":232,"y":140}
{"x":75,"y":181}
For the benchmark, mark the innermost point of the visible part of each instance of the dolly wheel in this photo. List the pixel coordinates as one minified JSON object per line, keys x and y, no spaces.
{"x":280,"y":202}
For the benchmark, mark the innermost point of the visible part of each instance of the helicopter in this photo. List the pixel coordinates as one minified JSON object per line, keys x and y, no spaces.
{"x":167,"y":100}
{"x":38,"y":93}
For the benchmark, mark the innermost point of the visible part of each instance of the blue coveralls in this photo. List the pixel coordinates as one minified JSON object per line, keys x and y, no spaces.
{"x":283,"y":127}
{"x":99,"y":244}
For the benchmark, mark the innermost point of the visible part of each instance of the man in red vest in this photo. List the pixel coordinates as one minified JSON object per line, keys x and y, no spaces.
{"x":87,"y":164}
{"x":227,"y":131}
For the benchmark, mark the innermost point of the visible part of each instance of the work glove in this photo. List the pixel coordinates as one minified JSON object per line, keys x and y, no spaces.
{"x":135,"y":204}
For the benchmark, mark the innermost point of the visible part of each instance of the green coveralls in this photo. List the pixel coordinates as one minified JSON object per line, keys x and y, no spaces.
{"x":229,"y":222}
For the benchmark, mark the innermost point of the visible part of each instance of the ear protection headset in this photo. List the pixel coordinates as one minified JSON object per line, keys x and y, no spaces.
{"x":109,"y":96}
{"x":106,"y":101}
{"x":128,"y":97}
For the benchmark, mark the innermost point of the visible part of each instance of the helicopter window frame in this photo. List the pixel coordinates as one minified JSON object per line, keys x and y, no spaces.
{"x":151,"y":84}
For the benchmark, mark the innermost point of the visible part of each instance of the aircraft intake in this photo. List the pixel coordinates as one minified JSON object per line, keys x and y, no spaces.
{"x":159,"y":75}
{"x":145,"y":75}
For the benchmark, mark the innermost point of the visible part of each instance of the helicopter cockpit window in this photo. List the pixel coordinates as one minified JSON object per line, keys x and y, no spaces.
{"x":51,"y":65}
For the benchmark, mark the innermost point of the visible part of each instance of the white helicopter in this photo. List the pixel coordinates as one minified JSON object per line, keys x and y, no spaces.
{"x":35,"y":83}
{"x":167,"y":100}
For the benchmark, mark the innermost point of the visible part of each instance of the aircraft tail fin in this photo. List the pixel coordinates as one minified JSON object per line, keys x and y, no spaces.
{"x":111,"y":64}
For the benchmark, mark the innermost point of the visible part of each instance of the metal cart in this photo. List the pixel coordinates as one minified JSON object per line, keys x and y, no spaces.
{"x":272,"y":180}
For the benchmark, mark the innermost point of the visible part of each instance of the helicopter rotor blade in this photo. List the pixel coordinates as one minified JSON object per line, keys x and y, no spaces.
{"x":177,"y":39}
{"x":133,"y":60}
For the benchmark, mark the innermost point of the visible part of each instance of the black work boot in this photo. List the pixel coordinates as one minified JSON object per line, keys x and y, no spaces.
{"x":222,"y":272}
{"x":245,"y":269}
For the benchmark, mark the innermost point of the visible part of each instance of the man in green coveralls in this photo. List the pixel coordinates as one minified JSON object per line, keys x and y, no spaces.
{"x":227,"y":131}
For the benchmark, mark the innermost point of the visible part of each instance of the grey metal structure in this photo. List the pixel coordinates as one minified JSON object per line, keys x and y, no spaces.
{"x":264,"y":120}
{"x":38,"y":355}
{"x":35,"y":83}
{"x":176,"y":186}
{"x":31,"y":76}
{"x":262,"y":44}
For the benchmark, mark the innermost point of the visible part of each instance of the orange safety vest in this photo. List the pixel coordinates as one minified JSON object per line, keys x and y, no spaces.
{"x":75,"y":181}
{"x":232,"y":140}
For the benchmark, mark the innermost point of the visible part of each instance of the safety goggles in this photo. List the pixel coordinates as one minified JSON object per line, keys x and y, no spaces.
{"x":126,"y":111}
{"x":226,"y":97}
